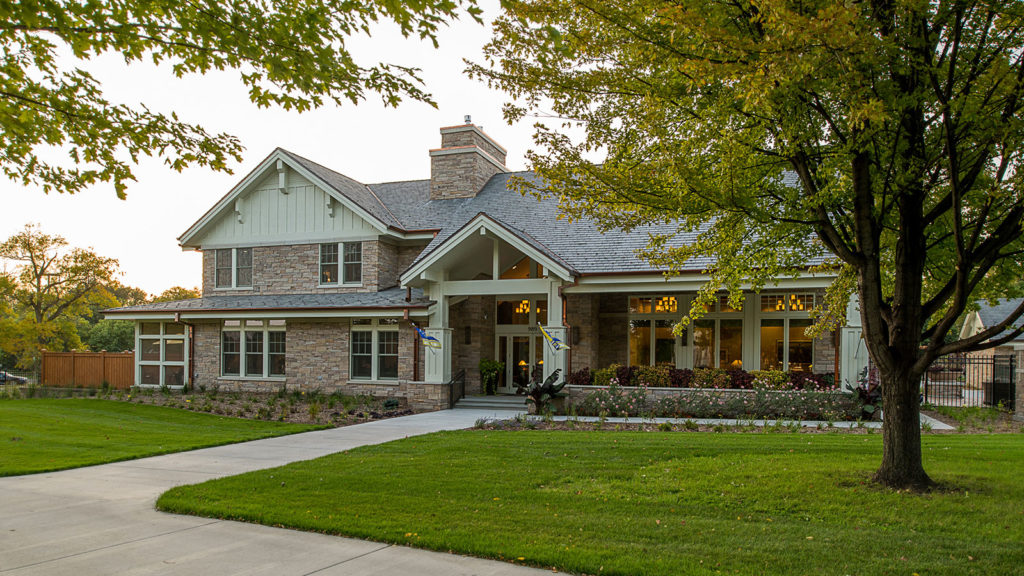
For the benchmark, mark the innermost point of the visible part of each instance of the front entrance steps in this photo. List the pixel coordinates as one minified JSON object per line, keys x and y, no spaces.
{"x":493,"y":402}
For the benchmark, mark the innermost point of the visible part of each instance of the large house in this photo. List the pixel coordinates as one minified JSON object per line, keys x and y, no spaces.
{"x":314,"y":280}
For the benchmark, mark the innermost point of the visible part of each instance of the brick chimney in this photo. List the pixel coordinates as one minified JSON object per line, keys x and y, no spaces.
{"x":465,"y":162}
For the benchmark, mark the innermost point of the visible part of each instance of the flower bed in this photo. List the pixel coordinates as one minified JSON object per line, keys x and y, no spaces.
{"x":643,"y":401}
{"x":666,"y":377}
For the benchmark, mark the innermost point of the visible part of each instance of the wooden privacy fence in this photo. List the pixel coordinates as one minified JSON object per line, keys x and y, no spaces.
{"x":88,"y":369}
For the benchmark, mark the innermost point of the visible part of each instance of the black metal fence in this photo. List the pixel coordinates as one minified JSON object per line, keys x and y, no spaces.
{"x":961,"y":380}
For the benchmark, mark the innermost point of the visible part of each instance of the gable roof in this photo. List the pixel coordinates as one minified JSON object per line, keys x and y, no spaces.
{"x":991,"y":315}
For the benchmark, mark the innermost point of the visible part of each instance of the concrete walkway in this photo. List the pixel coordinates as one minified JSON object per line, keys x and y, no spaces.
{"x":100,"y":520}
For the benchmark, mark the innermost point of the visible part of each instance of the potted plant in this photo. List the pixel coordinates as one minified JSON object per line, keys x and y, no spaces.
{"x":490,"y":371}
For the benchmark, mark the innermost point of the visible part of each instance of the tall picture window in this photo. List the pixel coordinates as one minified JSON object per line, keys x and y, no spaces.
{"x":718,"y":337}
{"x":252,"y":348}
{"x":784,"y":342}
{"x":651,"y":341}
{"x":373,"y":349}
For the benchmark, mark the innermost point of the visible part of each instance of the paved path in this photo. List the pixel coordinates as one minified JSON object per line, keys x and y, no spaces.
{"x":100,"y":520}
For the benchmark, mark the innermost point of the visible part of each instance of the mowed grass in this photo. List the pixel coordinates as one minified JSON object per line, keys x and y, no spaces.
{"x":40,"y":435}
{"x":652,"y":503}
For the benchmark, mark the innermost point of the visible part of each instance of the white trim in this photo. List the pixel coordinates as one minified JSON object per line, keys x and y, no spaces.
{"x":328,"y":237}
{"x":162,"y":362}
{"x":510,"y":287}
{"x":473,"y":227}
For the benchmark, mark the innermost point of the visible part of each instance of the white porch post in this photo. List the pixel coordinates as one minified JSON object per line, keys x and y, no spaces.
{"x":853,"y":352}
{"x":438,"y":361}
{"x":555,"y":359}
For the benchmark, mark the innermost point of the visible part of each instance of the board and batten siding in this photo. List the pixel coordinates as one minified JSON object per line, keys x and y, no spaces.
{"x":270,"y":217}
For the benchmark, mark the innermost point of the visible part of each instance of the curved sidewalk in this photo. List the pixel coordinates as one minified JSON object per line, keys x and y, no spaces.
{"x":100,"y":520}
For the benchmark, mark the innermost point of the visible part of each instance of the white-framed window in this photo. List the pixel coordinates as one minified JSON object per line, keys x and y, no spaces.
{"x":253,"y":349}
{"x":341,"y":263}
{"x":373,"y":349}
{"x":651,"y":341}
{"x":161,"y":354}
{"x":783,"y":342}
{"x":233,"y":268}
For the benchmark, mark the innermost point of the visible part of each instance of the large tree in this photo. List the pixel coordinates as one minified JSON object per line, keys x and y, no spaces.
{"x":292,"y":54}
{"x":50,"y":287}
{"x":886,"y":133}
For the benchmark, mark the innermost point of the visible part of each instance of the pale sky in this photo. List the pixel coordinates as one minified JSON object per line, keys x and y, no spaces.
{"x":367,"y":142}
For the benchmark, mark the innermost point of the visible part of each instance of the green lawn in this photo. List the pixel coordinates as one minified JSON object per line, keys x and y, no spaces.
{"x":652,"y":503}
{"x":40,"y":435}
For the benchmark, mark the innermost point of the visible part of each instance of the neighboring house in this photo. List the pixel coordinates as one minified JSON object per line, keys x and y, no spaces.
{"x":313,"y":280}
{"x":989,"y":315}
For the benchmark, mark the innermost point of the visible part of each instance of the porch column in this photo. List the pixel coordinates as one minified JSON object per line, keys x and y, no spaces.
{"x":438,"y":361}
{"x":554,"y":359}
{"x":853,"y":352}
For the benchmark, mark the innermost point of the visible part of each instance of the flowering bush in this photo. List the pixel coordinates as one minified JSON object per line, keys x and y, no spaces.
{"x":713,"y":403}
{"x":717,"y":378}
{"x":616,"y":401}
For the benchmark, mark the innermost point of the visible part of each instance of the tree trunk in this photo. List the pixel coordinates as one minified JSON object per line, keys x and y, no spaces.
{"x":901,"y":431}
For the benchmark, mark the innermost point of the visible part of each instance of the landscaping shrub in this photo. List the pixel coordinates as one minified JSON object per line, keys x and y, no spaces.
{"x":580,"y":378}
{"x":712,"y":403}
{"x":715,"y":378}
{"x":604,"y":376}
{"x":680,"y":377}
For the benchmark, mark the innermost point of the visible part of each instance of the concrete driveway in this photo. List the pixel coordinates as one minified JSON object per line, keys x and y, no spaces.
{"x":100,"y":520}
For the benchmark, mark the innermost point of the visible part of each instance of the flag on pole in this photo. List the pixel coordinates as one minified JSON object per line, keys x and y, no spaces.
{"x":556,"y":343}
{"x":427,"y":339}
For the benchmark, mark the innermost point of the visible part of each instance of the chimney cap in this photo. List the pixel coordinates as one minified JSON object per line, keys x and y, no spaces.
{"x":469,"y":119}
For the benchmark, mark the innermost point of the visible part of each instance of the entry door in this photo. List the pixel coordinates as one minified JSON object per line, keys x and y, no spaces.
{"x":521,"y":355}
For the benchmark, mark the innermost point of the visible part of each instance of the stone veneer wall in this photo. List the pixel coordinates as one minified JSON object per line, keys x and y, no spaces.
{"x":459,"y":175}
{"x":613,"y":337}
{"x":581,"y":314}
{"x":317,"y":357}
{"x":295,"y":268}
{"x":470,"y":314}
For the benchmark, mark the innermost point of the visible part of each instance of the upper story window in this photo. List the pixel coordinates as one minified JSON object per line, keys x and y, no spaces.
{"x":350,"y":268}
{"x":233,"y":268}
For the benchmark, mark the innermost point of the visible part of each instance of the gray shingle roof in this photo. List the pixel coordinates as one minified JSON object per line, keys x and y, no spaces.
{"x":992,"y":315}
{"x":355,"y":191}
{"x":410,"y":202}
{"x":390,"y":298}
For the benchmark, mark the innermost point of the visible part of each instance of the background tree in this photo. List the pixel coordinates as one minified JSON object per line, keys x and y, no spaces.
{"x":177,"y":293}
{"x":50,"y":288}
{"x":886,"y":133}
{"x":291,"y":54}
{"x":111,"y":335}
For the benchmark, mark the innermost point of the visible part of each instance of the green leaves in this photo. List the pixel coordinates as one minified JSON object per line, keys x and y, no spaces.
{"x":289,"y":53}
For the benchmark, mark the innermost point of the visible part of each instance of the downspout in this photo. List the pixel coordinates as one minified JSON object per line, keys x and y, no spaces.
{"x":191,"y":349}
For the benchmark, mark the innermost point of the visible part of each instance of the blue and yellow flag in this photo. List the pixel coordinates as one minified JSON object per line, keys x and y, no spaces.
{"x":556,"y":343}
{"x":427,"y":339}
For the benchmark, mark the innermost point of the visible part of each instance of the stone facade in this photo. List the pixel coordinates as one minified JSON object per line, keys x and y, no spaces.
{"x":465,"y":162}
{"x":317,"y":357}
{"x":581,"y":314}
{"x":472,"y":337}
{"x":295,"y":268}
